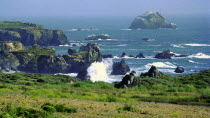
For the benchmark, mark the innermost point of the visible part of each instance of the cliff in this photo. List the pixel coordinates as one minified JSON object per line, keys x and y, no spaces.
{"x":29,"y":34}
{"x":150,"y":20}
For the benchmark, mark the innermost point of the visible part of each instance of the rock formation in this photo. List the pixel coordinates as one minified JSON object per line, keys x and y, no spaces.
{"x":150,"y":20}
{"x":179,"y":70}
{"x":164,"y":55}
{"x":140,"y":55}
{"x":29,"y":34}
{"x":120,"y":68}
{"x":43,"y":60}
{"x":99,"y":37}
{"x":153,"y":72}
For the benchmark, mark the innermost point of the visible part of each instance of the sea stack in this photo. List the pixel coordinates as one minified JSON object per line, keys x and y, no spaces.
{"x":151,"y":20}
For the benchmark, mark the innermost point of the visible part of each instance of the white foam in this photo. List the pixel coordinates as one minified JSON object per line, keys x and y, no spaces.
{"x":194,"y":44}
{"x":122,"y":45}
{"x":99,"y":71}
{"x":66,"y":45}
{"x":161,"y":65}
{"x":200,"y":55}
{"x":126,"y":29}
{"x":69,"y":74}
{"x":177,"y":46}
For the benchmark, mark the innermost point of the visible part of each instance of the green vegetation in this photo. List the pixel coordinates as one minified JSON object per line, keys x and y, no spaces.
{"x":19,"y":25}
{"x":61,"y":95}
{"x":37,"y":50}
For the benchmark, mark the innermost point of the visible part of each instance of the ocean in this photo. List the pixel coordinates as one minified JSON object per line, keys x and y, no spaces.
{"x":192,"y":37}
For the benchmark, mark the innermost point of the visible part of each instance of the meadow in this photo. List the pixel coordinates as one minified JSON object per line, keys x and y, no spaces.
{"x":45,"y":95}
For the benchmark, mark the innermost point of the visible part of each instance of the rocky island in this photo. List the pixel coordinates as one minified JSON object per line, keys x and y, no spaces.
{"x":29,"y":34}
{"x":151,"y":20}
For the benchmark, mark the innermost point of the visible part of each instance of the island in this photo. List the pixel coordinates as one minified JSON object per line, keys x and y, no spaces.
{"x":29,"y":34}
{"x":151,"y":20}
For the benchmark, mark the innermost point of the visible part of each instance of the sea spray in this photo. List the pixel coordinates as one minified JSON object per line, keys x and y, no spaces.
{"x":98,"y":71}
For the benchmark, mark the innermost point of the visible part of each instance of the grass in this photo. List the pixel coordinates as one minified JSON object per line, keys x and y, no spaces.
{"x":100,"y":99}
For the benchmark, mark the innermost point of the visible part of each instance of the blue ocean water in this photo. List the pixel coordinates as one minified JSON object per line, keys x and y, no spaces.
{"x":191,"y":38}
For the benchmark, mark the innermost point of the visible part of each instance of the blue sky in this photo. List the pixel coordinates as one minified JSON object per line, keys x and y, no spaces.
{"x":101,"y":7}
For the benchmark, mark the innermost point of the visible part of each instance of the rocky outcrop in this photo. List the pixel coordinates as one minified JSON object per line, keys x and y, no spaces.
{"x":120,"y":68}
{"x":123,"y":54}
{"x":99,"y":37}
{"x":150,"y":20}
{"x":43,"y":60}
{"x":30,"y":34}
{"x":140,"y":55}
{"x":179,"y":70}
{"x":128,"y":80}
{"x":164,"y":55}
{"x":153,"y":72}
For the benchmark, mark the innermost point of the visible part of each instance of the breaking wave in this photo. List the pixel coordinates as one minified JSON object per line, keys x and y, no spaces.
{"x":200,"y":55}
{"x":177,"y":45}
{"x":161,"y":65}
{"x":194,"y":44}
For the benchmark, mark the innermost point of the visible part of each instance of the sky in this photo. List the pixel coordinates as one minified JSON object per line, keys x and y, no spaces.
{"x":101,"y":7}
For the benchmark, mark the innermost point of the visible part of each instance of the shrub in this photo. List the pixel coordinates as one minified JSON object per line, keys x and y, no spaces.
{"x":71,"y":110}
{"x":111,"y":98}
{"x":49,"y":109}
{"x":129,"y":107}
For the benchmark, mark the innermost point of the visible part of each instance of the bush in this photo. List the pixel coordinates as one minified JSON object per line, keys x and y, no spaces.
{"x":49,"y":109}
{"x":129,"y":107}
{"x":71,"y":110}
{"x":111,"y":98}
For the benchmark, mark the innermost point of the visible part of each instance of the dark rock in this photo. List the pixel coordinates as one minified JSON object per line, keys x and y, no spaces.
{"x":123,"y":54}
{"x":107,"y":56}
{"x":147,"y":39}
{"x":120,"y":68}
{"x":151,"y":20}
{"x":179,"y":70}
{"x":99,"y":37}
{"x":83,"y":75}
{"x":153,"y":72}
{"x":128,"y":80}
{"x":140,"y":55}
{"x":74,"y":45}
{"x":164,"y":55}
{"x":71,"y":51}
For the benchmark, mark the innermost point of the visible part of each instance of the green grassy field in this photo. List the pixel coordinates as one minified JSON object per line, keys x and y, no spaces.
{"x":23,"y":95}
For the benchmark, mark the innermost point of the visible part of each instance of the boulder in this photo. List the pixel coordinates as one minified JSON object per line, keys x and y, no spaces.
{"x":151,"y":20}
{"x":120,"y":68}
{"x":153,"y":72}
{"x":123,"y":54}
{"x":164,"y":55}
{"x":140,"y":55}
{"x":71,"y":51}
{"x":179,"y":70}
{"x":11,"y":46}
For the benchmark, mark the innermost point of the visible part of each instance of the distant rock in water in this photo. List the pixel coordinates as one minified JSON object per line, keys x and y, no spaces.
{"x":120,"y":68}
{"x":164,"y":55}
{"x":99,"y":37}
{"x":153,"y":72}
{"x":140,"y":55}
{"x":147,"y":39}
{"x":123,"y":54}
{"x":179,"y":70}
{"x":29,"y":34}
{"x":150,"y":20}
